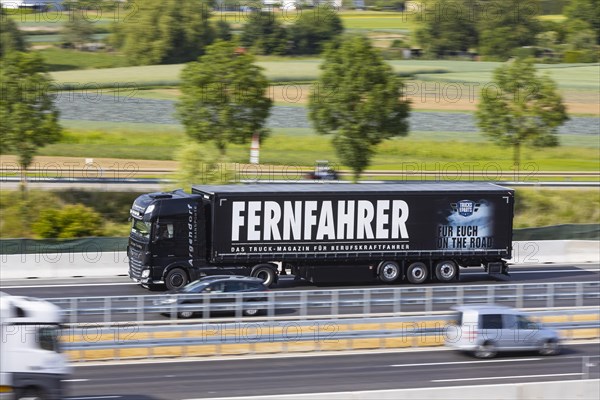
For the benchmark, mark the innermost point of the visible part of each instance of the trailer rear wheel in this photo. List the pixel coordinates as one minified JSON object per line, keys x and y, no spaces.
{"x":388,"y":272}
{"x":176,"y":278}
{"x":417,"y":272}
{"x":265,"y":272}
{"x":446,"y":271}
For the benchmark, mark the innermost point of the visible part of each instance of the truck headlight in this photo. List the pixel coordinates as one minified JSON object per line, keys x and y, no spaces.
{"x":145,"y":273}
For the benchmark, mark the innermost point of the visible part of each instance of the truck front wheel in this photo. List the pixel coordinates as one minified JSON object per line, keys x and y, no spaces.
{"x":176,"y":278}
{"x":417,"y":272}
{"x":266,"y":273}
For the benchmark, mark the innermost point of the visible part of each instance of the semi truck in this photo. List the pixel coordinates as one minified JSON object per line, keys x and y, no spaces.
{"x":321,"y":232}
{"x":31,"y":363}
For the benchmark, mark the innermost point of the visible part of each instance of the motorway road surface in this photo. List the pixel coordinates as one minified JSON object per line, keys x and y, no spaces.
{"x":122,"y":286}
{"x":193,"y":378}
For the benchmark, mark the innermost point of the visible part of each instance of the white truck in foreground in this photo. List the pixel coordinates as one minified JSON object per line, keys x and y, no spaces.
{"x":31,"y":363}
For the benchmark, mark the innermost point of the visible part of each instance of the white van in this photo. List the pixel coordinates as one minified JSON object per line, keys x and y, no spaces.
{"x":486,"y":329}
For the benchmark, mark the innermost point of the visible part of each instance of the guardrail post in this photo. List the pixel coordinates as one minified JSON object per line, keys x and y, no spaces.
{"x":367,"y":302}
{"x":579,"y":298}
{"x":460,"y":295}
{"x":206,"y":306}
{"x":397,"y":301}
{"x":107,"y":309}
{"x":271,"y":310}
{"x":303,"y":305}
{"x":335,"y":297}
{"x":519,"y":294}
{"x":428,"y":299}
{"x":550,"y":296}
{"x":238,"y":305}
{"x":140,"y":308}
{"x":74,"y":310}
{"x":491,"y":294}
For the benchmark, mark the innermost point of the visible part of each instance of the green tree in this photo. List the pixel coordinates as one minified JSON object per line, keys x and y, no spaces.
{"x":506,"y":25}
{"x":358,"y":100}
{"x":164,"y":31}
{"x":11,"y":38}
{"x":448,"y":28}
{"x":223,"y":97}
{"x":223,"y":30}
{"x":198,"y":164}
{"x":520,"y":108}
{"x":314,"y":28}
{"x":28,"y":114}
{"x":587,"y":11}
{"x":264,"y":33}
{"x":78,"y":29}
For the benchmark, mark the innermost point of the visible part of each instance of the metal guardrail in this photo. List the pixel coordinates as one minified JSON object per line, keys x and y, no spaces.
{"x":311,"y":304}
{"x":116,"y":340}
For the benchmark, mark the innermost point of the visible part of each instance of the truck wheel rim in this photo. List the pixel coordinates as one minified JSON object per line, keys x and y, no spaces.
{"x":390,"y":272}
{"x":447,"y":271}
{"x":265,"y":276}
{"x":417,"y":273}
{"x":176,"y":280}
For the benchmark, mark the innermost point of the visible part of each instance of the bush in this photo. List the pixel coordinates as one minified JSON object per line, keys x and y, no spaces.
{"x":74,"y":220}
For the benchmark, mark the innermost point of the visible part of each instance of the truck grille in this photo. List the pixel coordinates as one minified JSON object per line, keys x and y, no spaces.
{"x":135,"y":264}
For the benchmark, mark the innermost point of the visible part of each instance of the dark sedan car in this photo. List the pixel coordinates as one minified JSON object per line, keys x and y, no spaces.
{"x":218,"y":284}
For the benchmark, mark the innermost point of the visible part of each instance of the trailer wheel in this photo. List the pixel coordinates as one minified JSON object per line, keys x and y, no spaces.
{"x":446,"y":271}
{"x":176,"y":278}
{"x":389,"y":272}
{"x":265,"y":272}
{"x":417,"y":272}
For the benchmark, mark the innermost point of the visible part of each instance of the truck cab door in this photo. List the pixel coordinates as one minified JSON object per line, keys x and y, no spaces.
{"x":163,"y":238}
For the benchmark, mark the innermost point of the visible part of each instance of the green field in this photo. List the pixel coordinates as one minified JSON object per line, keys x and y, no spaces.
{"x":573,"y":76}
{"x":59,"y":59}
{"x":303,"y":147}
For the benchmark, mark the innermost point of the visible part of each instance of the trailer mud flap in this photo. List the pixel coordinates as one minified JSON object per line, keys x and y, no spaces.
{"x":497,"y":268}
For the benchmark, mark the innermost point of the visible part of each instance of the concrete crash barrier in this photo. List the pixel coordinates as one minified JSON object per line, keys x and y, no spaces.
{"x":556,"y":251}
{"x":93,"y":263}
{"x":97,"y":263}
{"x":588,"y":389}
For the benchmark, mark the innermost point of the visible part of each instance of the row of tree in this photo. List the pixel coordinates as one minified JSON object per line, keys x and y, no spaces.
{"x":313,"y":28}
{"x":496,"y":29}
{"x":166,"y":32}
{"x":359,"y":102}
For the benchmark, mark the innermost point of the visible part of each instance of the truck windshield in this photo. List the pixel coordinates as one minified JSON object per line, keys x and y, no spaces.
{"x":140,"y":227}
{"x":48,"y":338}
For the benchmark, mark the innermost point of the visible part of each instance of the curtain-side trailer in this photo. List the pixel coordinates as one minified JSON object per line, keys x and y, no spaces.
{"x":322,"y":232}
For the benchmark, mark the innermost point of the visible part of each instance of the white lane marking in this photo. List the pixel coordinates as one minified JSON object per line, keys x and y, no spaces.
{"x":95,"y":397}
{"x":75,"y":380}
{"x":69,"y":285}
{"x":505,"y":377}
{"x":466,"y":362}
{"x":546,"y":271}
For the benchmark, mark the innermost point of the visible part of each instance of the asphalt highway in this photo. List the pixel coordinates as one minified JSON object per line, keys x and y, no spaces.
{"x":122,"y":286}
{"x":193,"y":378}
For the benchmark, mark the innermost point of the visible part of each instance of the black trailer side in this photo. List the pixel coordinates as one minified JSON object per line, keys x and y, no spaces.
{"x":389,"y":231}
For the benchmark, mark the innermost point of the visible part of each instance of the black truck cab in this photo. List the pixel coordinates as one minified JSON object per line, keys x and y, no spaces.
{"x":165,"y":237}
